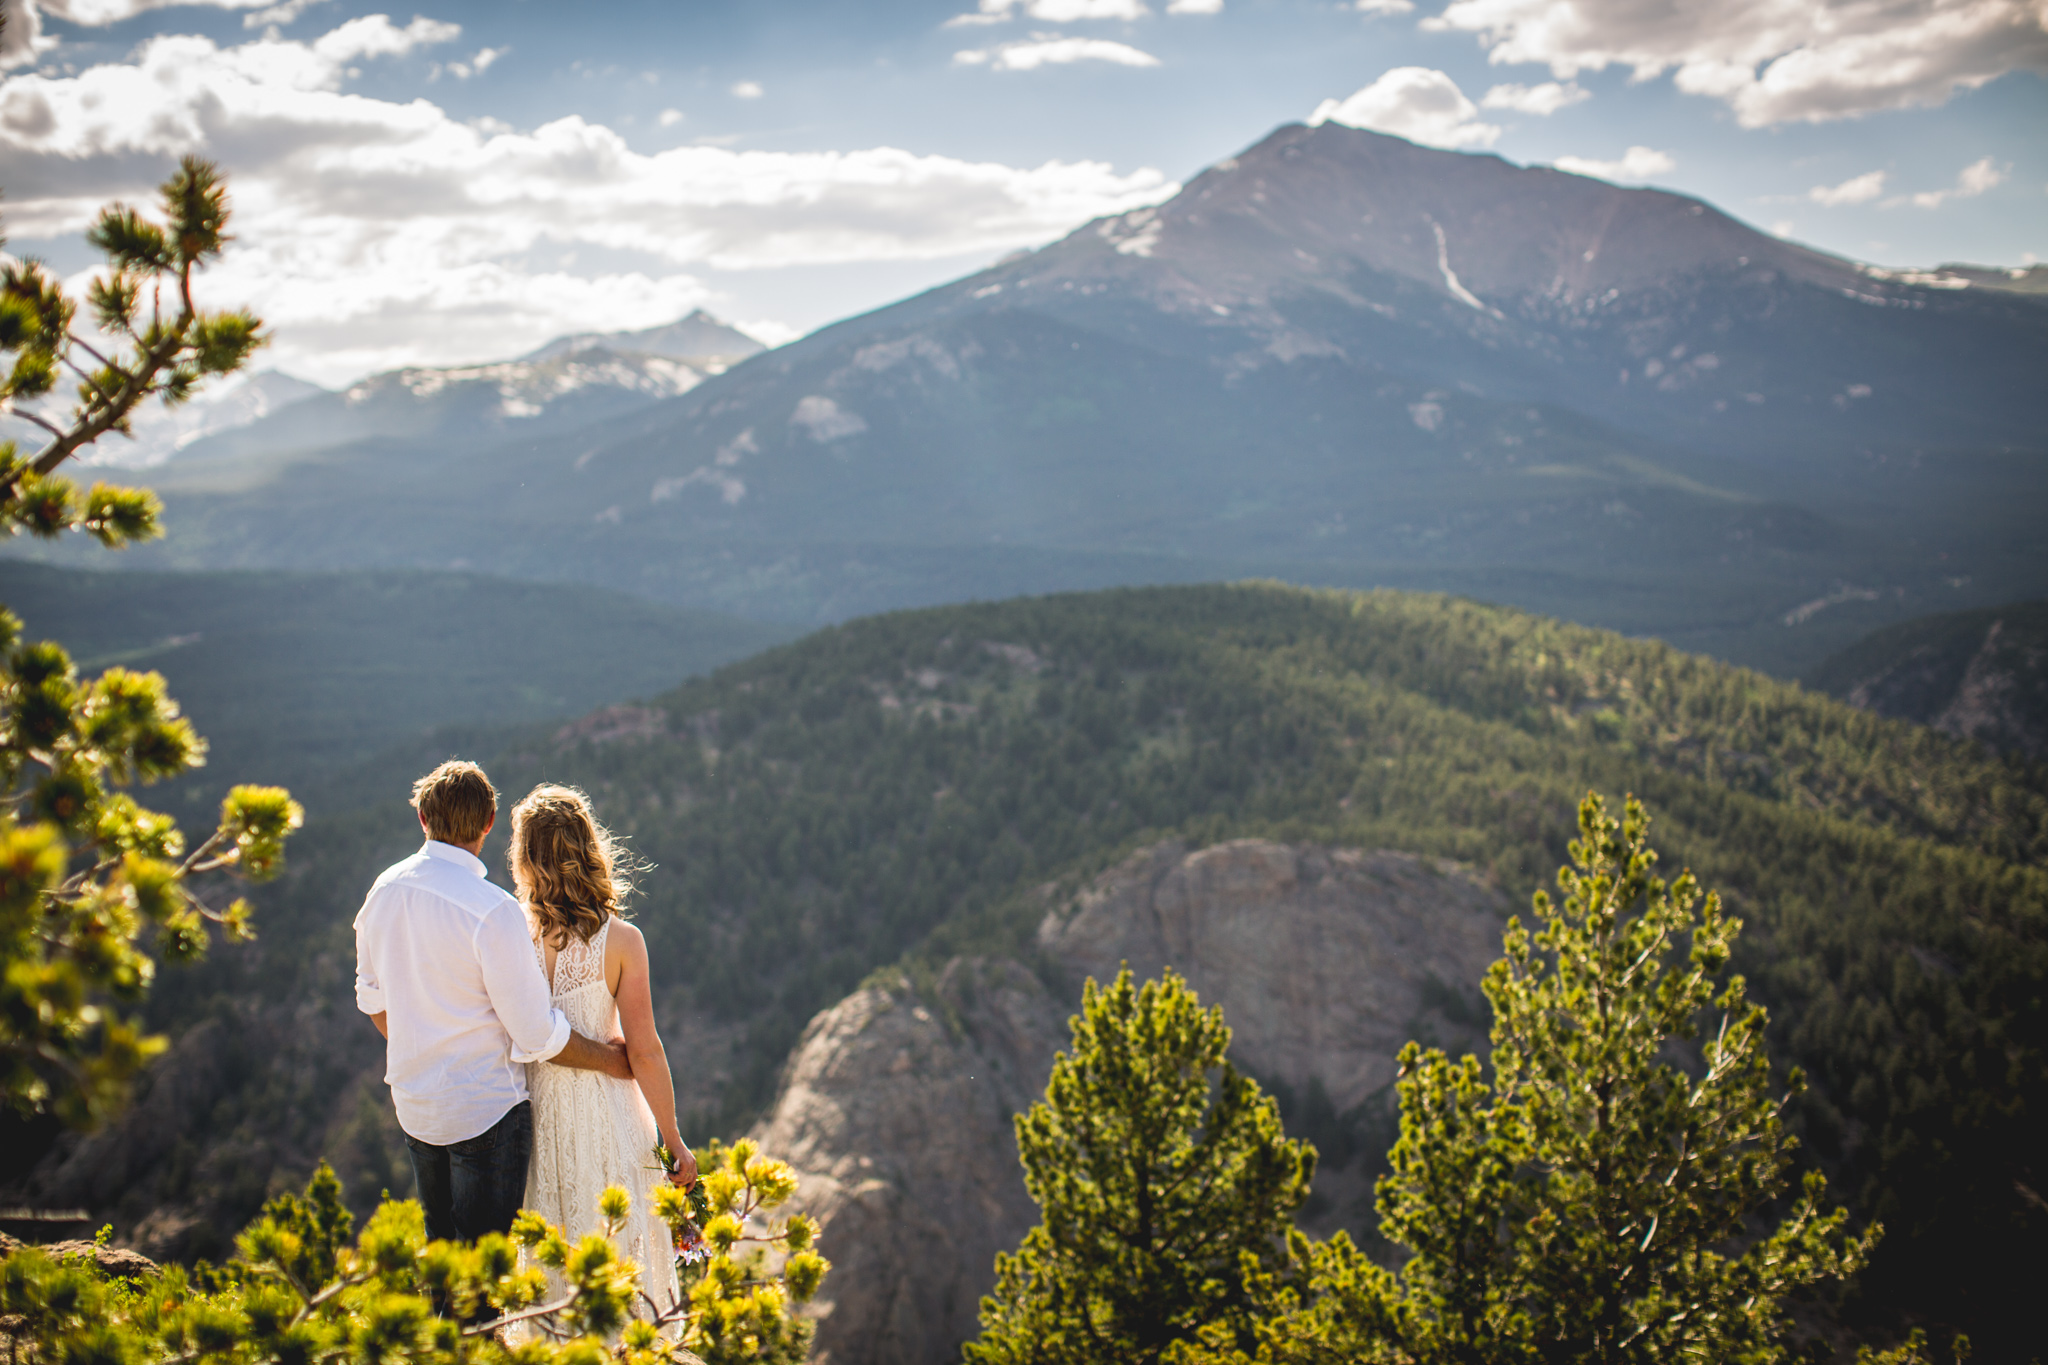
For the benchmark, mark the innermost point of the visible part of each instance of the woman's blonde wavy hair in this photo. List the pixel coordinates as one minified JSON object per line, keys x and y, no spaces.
{"x":570,"y":873}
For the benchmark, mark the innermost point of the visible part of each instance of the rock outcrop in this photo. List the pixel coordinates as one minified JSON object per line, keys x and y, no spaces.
{"x":1325,"y":961}
{"x":896,"y":1107}
{"x":1979,"y":675}
{"x":897,"y":1116}
{"x":118,"y":1263}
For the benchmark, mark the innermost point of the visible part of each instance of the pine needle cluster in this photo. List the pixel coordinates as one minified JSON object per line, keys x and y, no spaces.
{"x":91,"y":883}
{"x":299,"y":1292}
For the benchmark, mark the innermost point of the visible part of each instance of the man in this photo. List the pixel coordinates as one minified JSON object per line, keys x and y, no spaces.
{"x":445,"y":970}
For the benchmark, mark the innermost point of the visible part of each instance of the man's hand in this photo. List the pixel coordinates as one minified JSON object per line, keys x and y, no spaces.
{"x":581,"y":1054}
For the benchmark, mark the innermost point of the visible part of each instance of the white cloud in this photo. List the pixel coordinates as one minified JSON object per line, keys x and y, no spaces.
{"x":372,"y":234}
{"x":1972,"y":181}
{"x":374,"y":35}
{"x":1050,"y":49}
{"x":475,"y":66}
{"x":286,"y":13}
{"x":1859,"y":189}
{"x":1071,"y":11}
{"x":670,"y":118}
{"x":1637,"y":163}
{"x":1415,"y":102}
{"x":1542,"y":100}
{"x":1772,"y":61}
{"x":1195,"y":7}
{"x":24,"y":40}
{"x":747,"y":90}
{"x":1384,"y":6}
{"x":1980,"y":176}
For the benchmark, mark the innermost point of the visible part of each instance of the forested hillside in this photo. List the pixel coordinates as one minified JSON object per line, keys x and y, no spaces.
{"x":894,"y":790}
{"x":296,"y":678}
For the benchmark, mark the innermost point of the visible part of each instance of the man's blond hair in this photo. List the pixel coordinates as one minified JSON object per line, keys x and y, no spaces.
{"x":456,"y":802}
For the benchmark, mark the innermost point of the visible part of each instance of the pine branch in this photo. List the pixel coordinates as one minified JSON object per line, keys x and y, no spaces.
{"x":73,"y":366}
{"x":82,"y":344}
{"x":25,"y":416}
{"x":538,"y":1311}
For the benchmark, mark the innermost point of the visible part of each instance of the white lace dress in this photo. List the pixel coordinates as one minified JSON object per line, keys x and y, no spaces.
{"x":591,"y":1130}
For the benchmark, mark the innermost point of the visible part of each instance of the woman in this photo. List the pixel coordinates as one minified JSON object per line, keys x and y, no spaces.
{"x":591,"y":1130}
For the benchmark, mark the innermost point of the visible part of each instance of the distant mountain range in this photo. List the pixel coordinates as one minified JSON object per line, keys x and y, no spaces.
{"x":570,"y":381}
{"x":158,"y":433}
{"x":1335,"y":358}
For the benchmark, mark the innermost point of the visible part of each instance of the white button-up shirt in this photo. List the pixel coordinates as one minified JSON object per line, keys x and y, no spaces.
{"x":445,"y":956}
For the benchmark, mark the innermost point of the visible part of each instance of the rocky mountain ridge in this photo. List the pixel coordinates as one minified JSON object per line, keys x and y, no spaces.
{"x":569,"y":382}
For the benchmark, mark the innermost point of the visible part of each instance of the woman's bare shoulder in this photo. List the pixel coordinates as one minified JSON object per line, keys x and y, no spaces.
{"x":623,"y":942}
{"x":624,"y":946}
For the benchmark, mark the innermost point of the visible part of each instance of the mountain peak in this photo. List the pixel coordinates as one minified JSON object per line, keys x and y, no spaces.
{"x":700,"y":338}
{"x":1312,"y":207}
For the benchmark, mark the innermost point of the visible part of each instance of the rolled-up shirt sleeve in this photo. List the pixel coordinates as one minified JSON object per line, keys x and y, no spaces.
{"x":369,"y":990}
{"x":519,"y":993}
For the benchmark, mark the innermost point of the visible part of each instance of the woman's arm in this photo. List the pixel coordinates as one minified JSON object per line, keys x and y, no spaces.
{"x":635,"y":994}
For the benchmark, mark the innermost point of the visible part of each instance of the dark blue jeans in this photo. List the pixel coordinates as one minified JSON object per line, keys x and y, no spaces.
{"x":475,"y":1186}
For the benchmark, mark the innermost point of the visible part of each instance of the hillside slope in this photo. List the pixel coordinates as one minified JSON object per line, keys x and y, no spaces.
{"x":293,"y":678}
{"x":1337,"y":358}
{"x":899,"y":790}
{"x":1974,"y":674}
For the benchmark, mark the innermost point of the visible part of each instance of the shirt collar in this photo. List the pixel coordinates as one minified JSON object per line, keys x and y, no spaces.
{"x":461,"y":857}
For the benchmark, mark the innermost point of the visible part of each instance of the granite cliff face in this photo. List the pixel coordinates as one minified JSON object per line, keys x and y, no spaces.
{"x":896,"y":1107}
{"x":1325,"y":960}
{"x":897,"y":1116}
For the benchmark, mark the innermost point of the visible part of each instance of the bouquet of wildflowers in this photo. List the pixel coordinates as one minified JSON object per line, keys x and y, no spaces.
{"x":691,"y":1248}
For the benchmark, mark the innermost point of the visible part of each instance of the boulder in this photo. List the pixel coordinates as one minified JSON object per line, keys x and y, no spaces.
{"x":114,"y":1262}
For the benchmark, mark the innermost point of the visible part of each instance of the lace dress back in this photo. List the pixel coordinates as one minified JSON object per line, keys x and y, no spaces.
{"x":591,"y":1131}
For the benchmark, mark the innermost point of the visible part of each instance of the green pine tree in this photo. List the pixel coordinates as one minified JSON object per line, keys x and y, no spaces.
{"x":1601,"y":1197}
{"x":1159,"y":1171}
{"x":90,"y":881}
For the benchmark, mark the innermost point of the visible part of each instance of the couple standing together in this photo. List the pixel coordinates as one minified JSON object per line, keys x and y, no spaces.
{"x":521,"y":1049}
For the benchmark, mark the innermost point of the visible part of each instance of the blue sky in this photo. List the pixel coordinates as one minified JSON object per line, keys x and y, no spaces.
{"x":456,"y":182}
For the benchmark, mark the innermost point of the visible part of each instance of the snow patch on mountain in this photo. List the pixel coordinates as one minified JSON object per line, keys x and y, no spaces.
{"x":824,"y":420}
{"x":526,"y":388}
